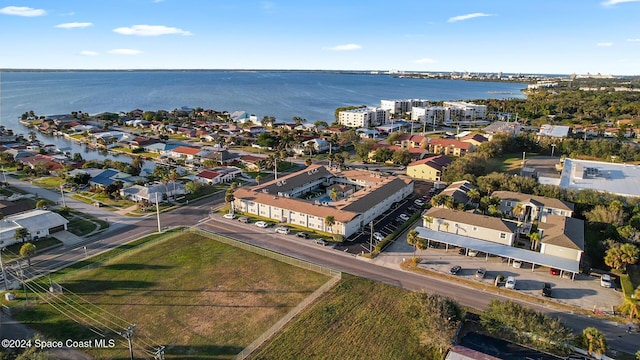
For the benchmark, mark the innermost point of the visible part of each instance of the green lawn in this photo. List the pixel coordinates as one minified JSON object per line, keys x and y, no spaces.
{"x":200,"y":298}
{"x":80,"y":227}
{"x":358,"y":319}
{"x":49,"y":182}
{"x":12,"y":252}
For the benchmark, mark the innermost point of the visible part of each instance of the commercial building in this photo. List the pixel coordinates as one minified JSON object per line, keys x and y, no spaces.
{"x":615,"y":178}
{"x":303,"y":198}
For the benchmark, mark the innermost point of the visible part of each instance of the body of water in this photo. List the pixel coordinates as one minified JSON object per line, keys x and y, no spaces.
{"x":313,"y":96}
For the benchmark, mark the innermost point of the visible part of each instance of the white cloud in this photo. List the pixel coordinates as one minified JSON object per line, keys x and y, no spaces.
{"x":345,"y":47}
{"x":150,"y":30}
{"x":125,"y":52}
{"x":73,"y":25}
{"x":616,"y":2}
{"x":634,"y":40}
{"x":467,"y":17}
{"x":604,"y":44}
{"x":22,"y":11}
{"x":424,"y":61}
{"x":88,"y":53}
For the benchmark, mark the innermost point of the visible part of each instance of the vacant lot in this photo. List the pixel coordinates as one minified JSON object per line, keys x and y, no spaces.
{"x":358,"y":319}
{"x":200,"y":298}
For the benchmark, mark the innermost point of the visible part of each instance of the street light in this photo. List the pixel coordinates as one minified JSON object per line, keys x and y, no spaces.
{"x":553,"y":147}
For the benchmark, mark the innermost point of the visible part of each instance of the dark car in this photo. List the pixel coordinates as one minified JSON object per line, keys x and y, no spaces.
{"x":455,"y":270}
{"x":302,"y":235}
{"x":243,"y":219}
{"x":546,"y":290}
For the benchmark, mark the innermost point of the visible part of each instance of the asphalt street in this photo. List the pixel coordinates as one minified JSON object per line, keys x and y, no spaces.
{"x":124,"y":229}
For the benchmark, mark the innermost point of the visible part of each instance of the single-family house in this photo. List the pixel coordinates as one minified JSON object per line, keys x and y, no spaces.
{"x":148,"y":191}
{"x":109,"y":176}
{"x":185,"y":152}
{"x":251,"y":161}
{"x":39,"y":223}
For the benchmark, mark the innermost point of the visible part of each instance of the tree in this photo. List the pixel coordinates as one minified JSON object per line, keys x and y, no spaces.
{"x":136,"y":165}
{"x":415,"y":240}
{"x":402,"y":157}
{"x":329,"y":221}
{"x":333,"y":194}
{"x":594,"y":341}
{"x":258,"y":178}
{"x":192,"y":186}
{"x":518,"y":210}
{"x":433,"y":314}
{"x":21,"y":233}
{"x":308,"y":162}
{"x":41,"y":204}
{"x":535,"y":240}
{"x":364,"y":148}
{"x":27,"y":251}
{"x":621,"y":255}
{"x":474,"y":195}
{"x":612,"y":215}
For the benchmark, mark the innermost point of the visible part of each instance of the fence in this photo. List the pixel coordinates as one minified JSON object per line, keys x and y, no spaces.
{"x":290,"y":315}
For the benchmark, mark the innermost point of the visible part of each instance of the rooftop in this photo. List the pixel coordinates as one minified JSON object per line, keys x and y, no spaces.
{"x":463,"y":217}
{"x":539,"y":200}
{"x":619,"y":179}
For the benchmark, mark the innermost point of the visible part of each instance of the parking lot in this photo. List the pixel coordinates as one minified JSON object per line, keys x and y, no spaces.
{"x":583,"y":292}
{"x":384,"y":224}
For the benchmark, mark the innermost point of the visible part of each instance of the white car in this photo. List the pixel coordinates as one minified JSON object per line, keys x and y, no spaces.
{"x":229,"y":216}
{"x":378,"y":236}
{"x":510,"y":283}
{"x":517,"y":264}
{"x":404,"y":217}
{"x":262,"y":224}
{"x":418,"y":202}
{"x":605,"y":281}
{"x":282,"y":230}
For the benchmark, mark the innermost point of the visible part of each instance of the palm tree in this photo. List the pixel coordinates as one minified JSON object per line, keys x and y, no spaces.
{"x":428,"y":220}
{"x":446,"y":225}
{"x":518,"y":211}
{"x":258,"y":178}
{"x":594,"y":340}
{"x":329,"y":221}
{"x":535,"y":240}
{"x":474,"y":195}
{"x":173,"y":176}
{"x":333,"y":194}
{"x":412,"y":239}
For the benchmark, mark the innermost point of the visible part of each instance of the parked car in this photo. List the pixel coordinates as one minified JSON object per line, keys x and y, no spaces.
{"x":418,"y":202}
{"x":554,"y":271}
{"x":472,"y":253}
{"x":480,"y":273}
{"x":243,"y":219}
{"x":321,"y":242}
{"x":510,"y":283}
{"x":455,"y":270}
{"x":517,"y":264}
{"x":262,"y":224}
{"x":282,"y":230}
{"x":404,"y":217}
{"x":302,"y":235}
{"x":229,"y":216}
{"x":98,"y":204}
{"x":605,"y":281}
{"x":378,"y":236}
{"x":546,"y":290}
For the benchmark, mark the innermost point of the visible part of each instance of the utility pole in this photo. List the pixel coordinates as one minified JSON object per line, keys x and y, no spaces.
{"x":158,"y":213}
{"x":64,"y":204}
{"x":371,"y":238}
{"x":4,"y":274}
{"x":275,"y":167}
{"x":128,"y":334}
{"x":4,"y":175}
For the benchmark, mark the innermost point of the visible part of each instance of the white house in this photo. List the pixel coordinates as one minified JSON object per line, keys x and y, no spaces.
{"x":39,"y":223}
{"x":148,"y":192}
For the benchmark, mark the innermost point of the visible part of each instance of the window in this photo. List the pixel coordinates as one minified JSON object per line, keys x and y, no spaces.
{"x":509,"y":203}
{"x":475,"y":228}
{"x":503,"y":235}
{"x":549,"y":211}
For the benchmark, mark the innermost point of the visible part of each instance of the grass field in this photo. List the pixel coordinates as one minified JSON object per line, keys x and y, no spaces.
{"x":200,"y":298}
{"x":358,"y":319}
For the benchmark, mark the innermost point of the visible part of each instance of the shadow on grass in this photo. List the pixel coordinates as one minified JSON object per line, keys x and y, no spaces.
{"x":92,"y":286}
{"x":199,"y":352}
{"x":135,"y":267}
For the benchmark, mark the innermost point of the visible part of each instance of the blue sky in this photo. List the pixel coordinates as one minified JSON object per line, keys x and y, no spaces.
{"x":542,"y":36}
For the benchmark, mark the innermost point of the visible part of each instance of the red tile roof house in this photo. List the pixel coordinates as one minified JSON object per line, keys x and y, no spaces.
{"x":408,"y":141}
{"x":47,"y":161}
{"x":185,"y":152}
{"x":207,"y":177}
{"x":450,"y":147}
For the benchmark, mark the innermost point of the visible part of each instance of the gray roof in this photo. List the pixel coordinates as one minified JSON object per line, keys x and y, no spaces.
{"x":37,"y":219}
{"x":538,"y":200}
{"x":500,"y":250}
{"x":293,"y":181}
{"x":563,"y":231}
{"x":473,"y":219}
{"x":558,"y":131}
{"x":377,"y":195}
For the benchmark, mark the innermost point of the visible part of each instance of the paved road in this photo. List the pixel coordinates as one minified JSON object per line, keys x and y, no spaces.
{"x":198,"y":211}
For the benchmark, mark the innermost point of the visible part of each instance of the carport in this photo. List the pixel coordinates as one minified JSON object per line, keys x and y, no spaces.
{"x":509,"y":252}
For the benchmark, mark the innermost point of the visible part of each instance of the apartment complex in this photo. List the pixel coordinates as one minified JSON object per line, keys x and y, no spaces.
{"x":302,"y":198}
{"x":398,"y":108}
{"x":429,"y":168}
{"x":534,"y":208}
{"x":363,"y":117}
{"x":450,"y":113}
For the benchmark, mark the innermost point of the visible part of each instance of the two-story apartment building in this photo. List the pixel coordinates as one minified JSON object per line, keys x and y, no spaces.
{"x":534,"y":208}
{"x":285,"y":200}
{"x":477,"y":226}
{"x":430,"y":168}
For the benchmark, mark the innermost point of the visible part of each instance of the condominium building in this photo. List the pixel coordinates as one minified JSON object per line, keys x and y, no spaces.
{"x":363,"y":117}
{"x":303,"y":198}
{"x":398,"y":108}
